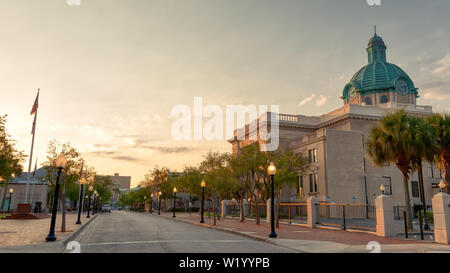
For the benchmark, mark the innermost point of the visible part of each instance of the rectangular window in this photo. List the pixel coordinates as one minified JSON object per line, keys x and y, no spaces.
{"x":300,"y":184}
{"x":312,"y":155}
{"x":415,"y":189}
{"x":313,"y":183}
{"x":387,"y":185}
{"x":316,"y":189}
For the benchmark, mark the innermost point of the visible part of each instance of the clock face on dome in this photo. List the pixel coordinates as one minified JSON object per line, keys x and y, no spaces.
{"x":351,"y":92}
{"x":402,"y":87}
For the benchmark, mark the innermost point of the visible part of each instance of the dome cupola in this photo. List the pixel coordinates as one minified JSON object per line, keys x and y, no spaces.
{"x":379,"y":81}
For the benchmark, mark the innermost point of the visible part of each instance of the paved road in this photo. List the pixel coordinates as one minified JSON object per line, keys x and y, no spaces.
{"x":123,"y":232}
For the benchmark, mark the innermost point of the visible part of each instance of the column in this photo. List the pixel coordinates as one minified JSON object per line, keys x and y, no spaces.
{"x":385,"y":216}
{"x":312,"y":211}
{"x":441,"y":215}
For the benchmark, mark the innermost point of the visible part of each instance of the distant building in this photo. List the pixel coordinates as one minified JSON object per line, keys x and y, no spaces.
{"x":123,"y":184}
{"x":37,"y":190}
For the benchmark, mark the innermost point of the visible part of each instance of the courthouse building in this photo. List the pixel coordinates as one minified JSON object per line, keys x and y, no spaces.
{"x":341,"y":171}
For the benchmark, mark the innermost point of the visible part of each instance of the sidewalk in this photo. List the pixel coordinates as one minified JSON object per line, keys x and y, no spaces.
{"x":29,"y":235}
{"x":313,"y":240}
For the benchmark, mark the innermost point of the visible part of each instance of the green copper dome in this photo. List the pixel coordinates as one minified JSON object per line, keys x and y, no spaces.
{"x":378,"y":76}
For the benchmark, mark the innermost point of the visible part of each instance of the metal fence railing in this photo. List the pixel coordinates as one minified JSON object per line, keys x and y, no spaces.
{"x":262,"y":209}
{"x":398,"y":212}
{"x":347,"y":216}
{"x":293,"y":213}
{"x":233,"y":210}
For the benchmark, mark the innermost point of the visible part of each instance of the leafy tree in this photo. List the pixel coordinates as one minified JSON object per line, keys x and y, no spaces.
{"x":251,"y":161}
{"x":71,"y":173}
{"x":289,"y":166}
{"x":213,"y":168}
{"x":104,"y":186}
{"x":11,"y":159}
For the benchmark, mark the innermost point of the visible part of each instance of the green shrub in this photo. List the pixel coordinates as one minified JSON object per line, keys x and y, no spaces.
{"x":429,"y":216}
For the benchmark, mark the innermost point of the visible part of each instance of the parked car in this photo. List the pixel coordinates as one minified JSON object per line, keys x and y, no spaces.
{"x":106,"y":208}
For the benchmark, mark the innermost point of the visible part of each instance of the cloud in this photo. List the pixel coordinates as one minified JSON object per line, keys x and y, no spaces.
{"x":102,"y":153}
{"x":443,"y":66}
{"x":435,"y":94}
{"x":321,"y":100}
{"x":126,"y":158}
{"x":168,"y":150}
{"x":308,"y":99}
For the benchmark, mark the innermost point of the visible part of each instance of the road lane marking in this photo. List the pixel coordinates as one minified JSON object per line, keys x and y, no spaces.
{"x":167,"y":241}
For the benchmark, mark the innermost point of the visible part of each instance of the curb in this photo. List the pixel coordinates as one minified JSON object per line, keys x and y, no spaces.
{"x":76,"y":233}
{"x":255,"y":237}
{"x":250,"y":236}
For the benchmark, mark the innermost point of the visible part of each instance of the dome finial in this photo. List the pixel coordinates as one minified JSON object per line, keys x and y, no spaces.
{"x":375,"y":29}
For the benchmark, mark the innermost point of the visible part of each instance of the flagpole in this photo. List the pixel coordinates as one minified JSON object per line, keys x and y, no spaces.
{"x":32,"y":188}
{"x":31,"y":154}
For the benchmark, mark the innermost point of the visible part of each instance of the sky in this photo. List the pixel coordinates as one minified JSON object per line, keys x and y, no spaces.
{"x":111,"y":71}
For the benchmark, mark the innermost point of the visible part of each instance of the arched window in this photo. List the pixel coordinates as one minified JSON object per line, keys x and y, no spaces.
{"x":368,"y":101}
{"x":384,"y":99}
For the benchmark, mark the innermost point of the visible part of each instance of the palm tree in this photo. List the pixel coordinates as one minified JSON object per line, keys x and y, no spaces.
{"x":422,"y":148}
{"x":389,"y":142}
{"x":440,"y":125}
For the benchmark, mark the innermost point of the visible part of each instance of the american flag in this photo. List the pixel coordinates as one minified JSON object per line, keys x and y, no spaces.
{"x":35,"y":105}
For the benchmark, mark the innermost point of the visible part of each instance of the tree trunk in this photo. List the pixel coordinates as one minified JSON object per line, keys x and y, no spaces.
{"x":4,"y":196}
{"x":214,"y":208}
{"x":241,"y":209}
{"x":256,"y":198}
{"x":218,"y":208}
{"x":257,"y":210}
{"x":407,"y":202}
{"x":422,"y":189}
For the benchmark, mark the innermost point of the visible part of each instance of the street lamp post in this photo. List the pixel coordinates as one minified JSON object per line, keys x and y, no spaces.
{"x":80,"y":199}
{"x":94,"y":205}
{"x":174,"y":198}
{"x":151,"y":203}
{"x":272,"y":170}
{"x":159,"y":203}
{"x":10,"y":198}
{"x":89,"y":200}
{"x":203,"y":185}
{"x":61,"y":163}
